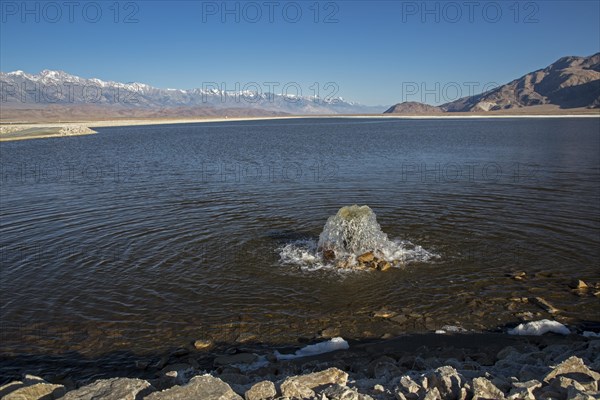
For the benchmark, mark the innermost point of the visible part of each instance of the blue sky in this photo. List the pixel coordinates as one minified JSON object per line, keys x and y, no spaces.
{"x":376,"y":52}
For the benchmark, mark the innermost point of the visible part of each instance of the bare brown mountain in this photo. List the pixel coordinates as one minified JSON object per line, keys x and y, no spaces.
{"x":413,"y":107}
{"x":569,"y":83}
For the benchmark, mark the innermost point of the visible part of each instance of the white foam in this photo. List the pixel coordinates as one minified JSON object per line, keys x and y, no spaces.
{"x":334,"y":344}
{"x":538,"y":328}
{"x":304,"y":253}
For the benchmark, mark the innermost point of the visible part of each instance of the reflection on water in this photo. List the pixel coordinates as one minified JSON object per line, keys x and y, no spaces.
{"x":145,"y":238}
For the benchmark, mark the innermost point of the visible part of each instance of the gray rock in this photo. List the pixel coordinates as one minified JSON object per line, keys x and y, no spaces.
{"x":339,"y":392}
{"x":111,"y":389}
{"x":36,"y":391}
{"x":483,"y":389}
{"x":544,"y":305}
{"x":408,"y":389}
{"x":530,"y":372}
{"x":501,"y":383}
{"x":203,"y":344}
{"x":433,"y":394}
{"x":574,"y":394}
{"x":447,"y":380}
{"x":261,"y":391}
{"x":508,"y":367}
{"x":562,"y":385}
{"x":302,"y":386}
{"x":205,"y":387}
{"x":556,"y":352}
{"x":524,"y":390}
{"x":10,"y":387}
{"x":572,"y":365}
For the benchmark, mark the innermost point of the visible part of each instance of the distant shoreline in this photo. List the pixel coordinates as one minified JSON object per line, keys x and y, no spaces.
{"x":23,"y":131}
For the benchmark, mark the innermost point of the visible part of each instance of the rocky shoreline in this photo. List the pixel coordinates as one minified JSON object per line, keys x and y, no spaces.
{"x":411,"y":367}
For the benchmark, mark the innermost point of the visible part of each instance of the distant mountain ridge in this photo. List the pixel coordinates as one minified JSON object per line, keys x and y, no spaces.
{"x":570,"y":82}
{"x":58,"y":88}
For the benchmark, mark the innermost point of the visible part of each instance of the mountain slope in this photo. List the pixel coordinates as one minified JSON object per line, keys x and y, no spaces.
{"x":568,"y":83}
{"x":22,"y":90}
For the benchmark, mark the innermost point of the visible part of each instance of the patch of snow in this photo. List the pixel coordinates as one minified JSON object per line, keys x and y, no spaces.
{"x":334,"y":344}
{"x":538,"y":328}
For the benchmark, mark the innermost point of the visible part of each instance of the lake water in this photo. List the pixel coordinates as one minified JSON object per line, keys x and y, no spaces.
{"x":147,"y":238}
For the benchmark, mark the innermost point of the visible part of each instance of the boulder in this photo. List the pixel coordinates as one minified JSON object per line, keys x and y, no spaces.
{"x":366,"y":257}
{"x":524,"y":390}
{"x":205,"y":387}
{"x":543,"y":304}
{"x":483,"y":389}
{"x":261,"y":391}
{"x":572,"y":365}
{"x":202,"y":344}
{"x":408,"y":388}
{"x":384,"y":313}
{"x":383,"y":265}
{"x":111,"y":389}
{"x":10,"y":387}
{"x":574,"y":394}
{"x":578,"y":284}
{"x":302,"y":386}
{"x":447,"y":380}
{"x":433,"y":394}
{"x":529,"y":372}
{"x":339,"y":392}
{"x":37,"y":391}
{"x":562,"y":385}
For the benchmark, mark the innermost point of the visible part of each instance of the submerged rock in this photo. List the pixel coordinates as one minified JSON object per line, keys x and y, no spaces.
{"x":202,"y":344}
{"x":578,"y":284}
{"x":543,"y":304}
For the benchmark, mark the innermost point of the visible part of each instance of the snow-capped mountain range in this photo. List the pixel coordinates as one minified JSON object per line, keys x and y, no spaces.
{"x":60,"y":88}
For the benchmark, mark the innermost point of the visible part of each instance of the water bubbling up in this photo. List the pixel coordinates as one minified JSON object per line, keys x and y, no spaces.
{"x":352,"y":239}
{"x":353,"y":231}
